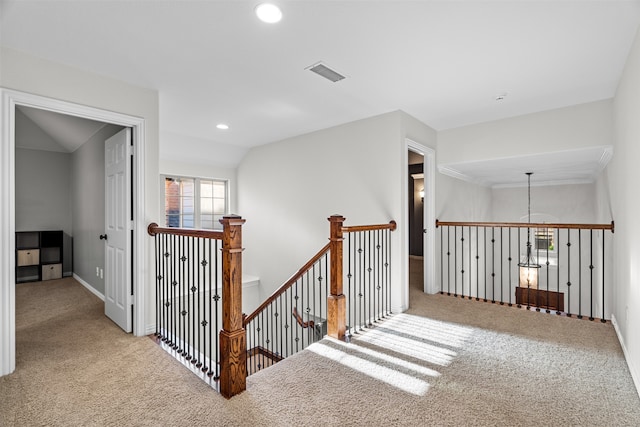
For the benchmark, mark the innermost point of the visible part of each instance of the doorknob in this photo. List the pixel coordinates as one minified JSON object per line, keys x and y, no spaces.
{"x":103,"y":237}
{"x":424,"y":230}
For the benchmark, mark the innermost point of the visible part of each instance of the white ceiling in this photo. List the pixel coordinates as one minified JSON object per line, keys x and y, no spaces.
{"x":564,"y":167}
{"x":443,"y":62}
{"x":68,"y":131}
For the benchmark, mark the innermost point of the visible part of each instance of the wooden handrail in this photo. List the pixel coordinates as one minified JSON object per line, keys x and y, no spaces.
{"x":287,"y":284}
{"x":301,"y":322}
{"x":154,"y":229}
{"x":526,"y":225}
{"x":265,"y":352}
{"x":356,"y":228}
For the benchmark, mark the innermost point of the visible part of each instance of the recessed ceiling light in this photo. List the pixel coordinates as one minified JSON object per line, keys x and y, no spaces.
{"x":269,"y":13}
{"x":222,"y":126}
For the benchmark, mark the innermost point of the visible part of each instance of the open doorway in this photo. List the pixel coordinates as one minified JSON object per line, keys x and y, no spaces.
{"x":11,"y":101}
{"x":415,"y":209}
{"x":419,"y":209}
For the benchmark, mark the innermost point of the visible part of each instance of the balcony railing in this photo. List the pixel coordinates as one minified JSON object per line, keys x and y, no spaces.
{"x":481,"y":260}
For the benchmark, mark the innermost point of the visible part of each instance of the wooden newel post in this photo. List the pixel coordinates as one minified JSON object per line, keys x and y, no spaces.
{"x":336,"y":304}
{"x":233,"y":339}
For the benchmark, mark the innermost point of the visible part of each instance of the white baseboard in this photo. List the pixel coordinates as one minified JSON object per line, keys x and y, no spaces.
{"x":88,"y":286}
{"x":634,"y":374}
{"x":151,"y":329}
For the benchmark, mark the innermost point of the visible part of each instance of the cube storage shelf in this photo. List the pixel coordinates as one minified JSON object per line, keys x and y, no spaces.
{"x":38,"y":255}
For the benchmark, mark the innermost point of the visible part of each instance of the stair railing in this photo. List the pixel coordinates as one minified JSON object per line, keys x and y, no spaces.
{"x":312,"y":303}
{"x":199,"y":299}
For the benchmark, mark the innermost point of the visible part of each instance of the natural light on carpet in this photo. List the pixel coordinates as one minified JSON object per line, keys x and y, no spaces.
{"x":393,"y":351}
{"x":387,"y":375}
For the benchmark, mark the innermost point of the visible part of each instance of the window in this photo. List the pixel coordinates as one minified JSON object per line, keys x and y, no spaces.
{"x":543,"y":240}
{"x":194,"y":202}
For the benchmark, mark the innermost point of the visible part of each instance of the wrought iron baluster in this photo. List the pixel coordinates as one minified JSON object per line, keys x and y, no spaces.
{"x":493,"y":265}
{"x":579,"y":274}
{"x":448,"y":260}
{"x":485,"y":263}
{"x":558,"y":308}
{"x":477,"y":264}
{"x":470,"y":291}
{"x":602,"y":319}
{"x":455,"y":261}
{"x":591,"y":274}
{"x":509,"y":269}
{"x":568,"y":273}
{"x":501,"y":266}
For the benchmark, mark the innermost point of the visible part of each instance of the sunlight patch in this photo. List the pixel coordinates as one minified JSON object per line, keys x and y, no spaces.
{"x":411,"y":347}
{"x":389,"y":376}
{"x":418,"y":369}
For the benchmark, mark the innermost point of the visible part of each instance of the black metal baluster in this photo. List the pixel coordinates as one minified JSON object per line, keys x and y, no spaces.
{"x":455,"y":261}
{"x":174,"y":333}
{"x":579,"y":274}
{"x":485,"y":263}
{"x":380,"y":310}
{"x":441,"y":261}
{"x":501,"y":266}
{"x":461,"y":262}
{"x":360,"y":280}
{"x":547,"y":264}
{"x":370,"y":280}
{"x":558,"y":311}
{"x":349,"y":276}
{"x":591,"y":273}
{"x":519,"y":305}
{"x":510,"y":267}
{"x":157,"y":265}
{"x":448,"y":260}
{"x":477,"y":263}
{"x":470,"y":284}
{"x":603,"y":320}
{"x":297,"y":309}
{"x":219,"y":246}
{"x":568,"y":272}
{"x":493,"y":265}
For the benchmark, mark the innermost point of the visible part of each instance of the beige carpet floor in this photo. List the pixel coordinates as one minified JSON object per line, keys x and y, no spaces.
{"x":447,"y":361}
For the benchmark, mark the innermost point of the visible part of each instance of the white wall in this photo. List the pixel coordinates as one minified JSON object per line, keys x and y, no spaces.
{"x":288,"y":189}
{"x":88,"y":198}
{"x":574,"y":203}
{"x":579,"y":126}
{"x":622,"y":178}
{"x":43,"y":200}
{"x":37,"y":76}
{"x":458,"y":200}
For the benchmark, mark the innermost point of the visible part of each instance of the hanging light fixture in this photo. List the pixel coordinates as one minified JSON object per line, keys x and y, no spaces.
{"x":529,"y":268}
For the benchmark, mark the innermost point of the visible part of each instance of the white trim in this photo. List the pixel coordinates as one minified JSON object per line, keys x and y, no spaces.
{"x":634,"y":374}
{"x":429,"y":171}
{"x":10,"y":99}
{"x":7,"y":239}
{"x":88,"y":286}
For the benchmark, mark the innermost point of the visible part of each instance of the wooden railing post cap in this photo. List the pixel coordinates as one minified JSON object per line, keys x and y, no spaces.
{"x":232,"y":219}
{"x":336,"y":218}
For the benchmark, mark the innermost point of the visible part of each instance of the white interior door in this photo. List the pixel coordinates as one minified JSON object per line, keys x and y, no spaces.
{"x":118,"y":225}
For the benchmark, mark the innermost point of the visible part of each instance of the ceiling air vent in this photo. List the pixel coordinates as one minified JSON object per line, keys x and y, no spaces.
{"x":326,"y":72}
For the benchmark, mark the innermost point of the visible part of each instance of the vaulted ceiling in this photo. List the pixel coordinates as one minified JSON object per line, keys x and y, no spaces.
{"x":443,"y":62}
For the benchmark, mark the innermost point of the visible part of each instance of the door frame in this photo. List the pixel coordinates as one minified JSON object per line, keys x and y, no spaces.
{"x":9,"y":100}
{"x":429,"y":211}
